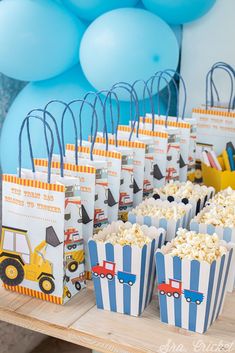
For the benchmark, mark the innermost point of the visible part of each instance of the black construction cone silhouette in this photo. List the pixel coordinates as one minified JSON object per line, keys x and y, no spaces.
{"x":111,"y":200}
{"x":136,"y":187}
{"x":85,"y":218}
{"x":182,"y":164}
{"x":157,"y":174}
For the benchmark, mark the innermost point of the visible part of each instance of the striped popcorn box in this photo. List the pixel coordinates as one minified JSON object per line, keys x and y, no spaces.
{"x":197,"y":203}
{"x":191,"y":293}
{"x":170,"y":225}
{"x":124,"y":276}
{"x":227,"y":234}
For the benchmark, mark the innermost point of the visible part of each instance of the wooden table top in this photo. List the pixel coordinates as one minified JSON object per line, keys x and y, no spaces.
{"x":81,"y":323}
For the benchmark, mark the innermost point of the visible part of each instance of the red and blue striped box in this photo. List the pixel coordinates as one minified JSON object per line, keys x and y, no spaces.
{"x":191,"y":293}
{"x":124,"y":276}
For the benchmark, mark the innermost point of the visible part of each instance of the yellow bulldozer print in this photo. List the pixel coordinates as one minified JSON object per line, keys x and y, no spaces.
{"x":18,"y":261}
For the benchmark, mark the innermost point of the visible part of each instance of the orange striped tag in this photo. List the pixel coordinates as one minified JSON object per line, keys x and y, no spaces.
{"x":34,"y":293}
{"x":214,"y":112}
{"x":121,"y":143}
{"x":67,"y":166}
{"x":144,"y":131}
{"x":169,"y":123}
{"x":33,"y":183}
{"x":96,"y":152}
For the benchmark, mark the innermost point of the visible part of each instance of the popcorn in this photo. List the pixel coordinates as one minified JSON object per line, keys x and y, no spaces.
{"x":163,"y":210}
{"x":196,"y":246}
{"x":218,"y":216}
{"x":225,"y":198}
{"x":134,"y":235}
{"x":183,"y":190}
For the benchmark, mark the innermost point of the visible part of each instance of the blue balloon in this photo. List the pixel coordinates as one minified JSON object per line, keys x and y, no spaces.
{"x":38,"y":39}
{"x":179,"y":11}
{"x":67,"y":87}
{"x":126,"y":45}
{"x":90,"y":9}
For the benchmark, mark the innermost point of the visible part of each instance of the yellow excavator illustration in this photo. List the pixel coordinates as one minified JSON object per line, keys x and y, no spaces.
{"x":19,"y":262}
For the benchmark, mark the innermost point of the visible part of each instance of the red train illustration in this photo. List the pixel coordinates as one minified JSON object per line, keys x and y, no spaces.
{"x":107,"y":270}
{"x":174,"y":288}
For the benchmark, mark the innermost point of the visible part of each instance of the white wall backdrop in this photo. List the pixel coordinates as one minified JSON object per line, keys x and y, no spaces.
{"x":206,"y":41}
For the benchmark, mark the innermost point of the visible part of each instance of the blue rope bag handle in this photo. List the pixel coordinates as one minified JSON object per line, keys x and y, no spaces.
{"x":150,"y":98}
{"x":97,"y":98}
{"x":208,"y":76}
{"x":171,"y":78}
{"x":62,"y":103}
{"x":231,"y":70}
{"x":128,"y":88}
{"x":26,"y":120}
{"x":176,"y":73}
{"x":73,"y":102}
{"x":152,"y":81}
{"x":45,"y":114}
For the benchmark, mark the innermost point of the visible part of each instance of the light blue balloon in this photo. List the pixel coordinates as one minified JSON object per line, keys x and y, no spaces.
{"x":91,"y":9}
{"x":38,"y":39}
{"x":179,"y":11}
{"x":67,"y":87}
{"x":126,"y":45}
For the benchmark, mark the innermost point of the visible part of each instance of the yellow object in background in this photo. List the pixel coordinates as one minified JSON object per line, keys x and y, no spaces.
{"x":218,"y":179}
{"x":226,"y":160}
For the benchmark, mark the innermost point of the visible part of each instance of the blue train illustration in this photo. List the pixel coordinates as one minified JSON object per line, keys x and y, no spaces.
{"x":174,"y":288}
{"x":107,"y":270}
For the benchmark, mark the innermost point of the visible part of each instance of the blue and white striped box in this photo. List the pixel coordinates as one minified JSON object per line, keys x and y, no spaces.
{"x":124,"y":277}
{"x":191,"y":293}
{"x":227,"y":234}
{"x":170,"y":225}
{"x":197,"y":204}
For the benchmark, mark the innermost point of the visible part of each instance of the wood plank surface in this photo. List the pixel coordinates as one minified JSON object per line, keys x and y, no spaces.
{"x":81,"y":323}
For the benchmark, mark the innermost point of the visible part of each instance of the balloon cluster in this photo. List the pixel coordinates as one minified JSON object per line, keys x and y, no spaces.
{"x":43,"y":41}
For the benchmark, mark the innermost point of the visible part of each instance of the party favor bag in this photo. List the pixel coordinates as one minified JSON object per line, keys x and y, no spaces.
{"x":114,"y":161}
{"x":35,"y":259}
{"x":124,"y":133}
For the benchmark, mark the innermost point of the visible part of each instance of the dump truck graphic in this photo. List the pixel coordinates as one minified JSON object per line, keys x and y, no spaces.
{"x":174,"y":288}
{"x":77,"y":280}
{"x":73,"y":259}
{"x":18,"y":261}
{"x":107,"y":270}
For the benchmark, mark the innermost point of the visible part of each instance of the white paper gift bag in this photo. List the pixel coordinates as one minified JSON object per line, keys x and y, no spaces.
{"x":138,"y":150}
{"x":216,"y":125}
{"x":36,"y":233}
{"x":124,"y":131}
{"x":114,"y":162}
{"x":124,"y":276}
{"x":86,"y":177}
{"x":127,"y":178}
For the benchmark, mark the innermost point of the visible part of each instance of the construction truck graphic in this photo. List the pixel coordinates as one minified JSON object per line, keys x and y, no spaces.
{"x":99,"y":218}
{"x":126,"y":186}
{"x":107,"y":270}
{"x":174,"y":289}
{"x":148,"y":176}
{"x":101,"y":199}
{"x":73,"y":239}
{"x":18,"y":261}
{"x":124,"y":201}
{"x":72,"y":197}
{"x":73,"y":259}
{"x":76,"y":281}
